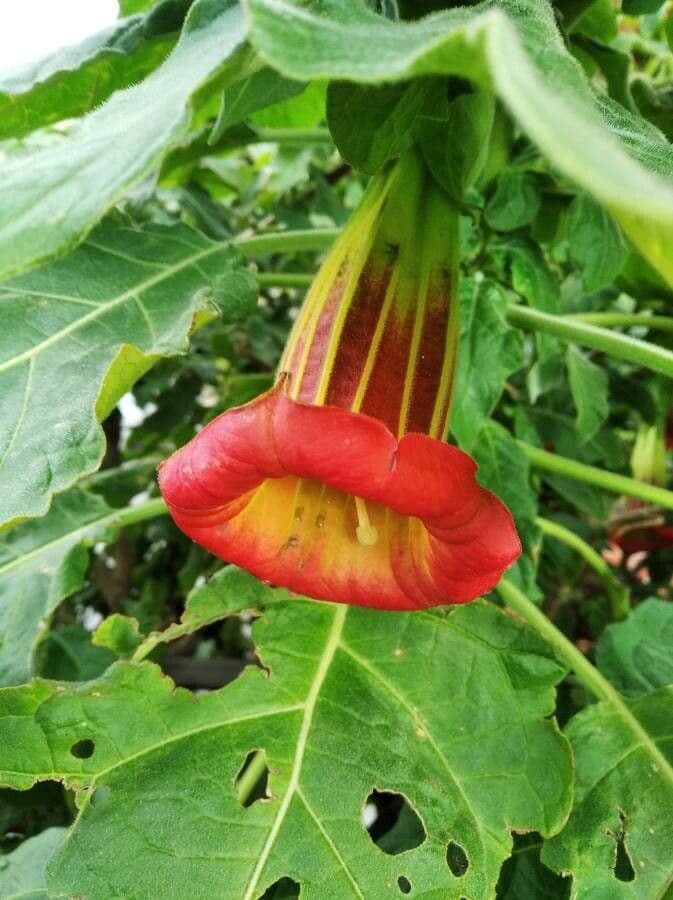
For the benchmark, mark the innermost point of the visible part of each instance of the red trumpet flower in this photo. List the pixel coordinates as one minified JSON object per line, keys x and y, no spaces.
{"x":336,"y":483}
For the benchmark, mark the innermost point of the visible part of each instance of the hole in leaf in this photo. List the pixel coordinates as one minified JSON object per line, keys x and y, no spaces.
{"x":392,"y":822}
{"x":623,"y":867}
{"x":404,"y":884}
{"x":283,"y":889}
{"x":100,"y":795}
{"x":252,"y":780}
{"x":456,"y":859}
{"x":83,"y":749}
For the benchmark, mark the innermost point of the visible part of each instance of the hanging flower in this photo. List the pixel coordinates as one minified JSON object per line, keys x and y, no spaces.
{"x":337,"y":483}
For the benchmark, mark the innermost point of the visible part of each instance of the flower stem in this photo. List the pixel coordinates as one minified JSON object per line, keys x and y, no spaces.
{"x":617,"y":592}
{"x":609,"y":481}
{"x":616,"y":344}
{"x":293,"y":135}
{"x":588,"y":674}
{"x":284,"y":279}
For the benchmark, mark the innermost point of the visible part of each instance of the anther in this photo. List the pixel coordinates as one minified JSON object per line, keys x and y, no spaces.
{"x":366,"y":533}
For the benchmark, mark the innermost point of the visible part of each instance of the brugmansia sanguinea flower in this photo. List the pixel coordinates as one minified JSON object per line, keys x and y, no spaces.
{"x":336,"y":483}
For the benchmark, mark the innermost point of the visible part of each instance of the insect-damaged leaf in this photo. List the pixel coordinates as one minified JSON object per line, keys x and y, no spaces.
{"x":354,"y":701}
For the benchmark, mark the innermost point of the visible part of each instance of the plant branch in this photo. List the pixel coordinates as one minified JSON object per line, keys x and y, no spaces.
{"x":588,"y":674}
{"x":617,"y":593}
{"x":623,"y":320}
{"x":620,"y":346}
{"x":287,"y":241}
{"x":609,"y":481}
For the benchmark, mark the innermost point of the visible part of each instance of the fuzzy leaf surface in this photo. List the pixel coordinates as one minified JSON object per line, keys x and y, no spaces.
{"x":516,"y":49}
{"x":73,"y":80}
{"x":54,"y":190}
{"x":353,"y":700}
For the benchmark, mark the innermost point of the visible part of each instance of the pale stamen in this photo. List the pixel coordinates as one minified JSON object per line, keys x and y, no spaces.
{"x":366,"y":533}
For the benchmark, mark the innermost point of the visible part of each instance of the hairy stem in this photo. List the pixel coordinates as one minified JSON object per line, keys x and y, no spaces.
{"x":620,"y":346}
{"x":624,"y":320}
{"x":609,"y":481}
{"x":287,"y":241}
{"x":617,"y":592}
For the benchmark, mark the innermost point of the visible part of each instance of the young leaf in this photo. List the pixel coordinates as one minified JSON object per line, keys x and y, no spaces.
{"x":516,"y":48}
{"x":489,"y":351}
{"x":515,"y":203}
{"x":617,"y":842}
{"x":637,"y":655}
{"x":353,"y":700}
{"x":23,"y":873}
{"x":588,"y":386}
{"x":73,"y":80}
{"x":261,"y":89}
{"x":371,"y":124}
{"x":78,"y":332}
{"x":56,"y":190}
{"x":596,"y":244}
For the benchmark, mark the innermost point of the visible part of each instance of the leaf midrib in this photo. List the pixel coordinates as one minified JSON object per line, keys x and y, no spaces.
{"x":104,"y":308}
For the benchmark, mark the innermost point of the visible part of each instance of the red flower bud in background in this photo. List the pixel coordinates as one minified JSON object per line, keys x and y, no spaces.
{"x":336,"y":483}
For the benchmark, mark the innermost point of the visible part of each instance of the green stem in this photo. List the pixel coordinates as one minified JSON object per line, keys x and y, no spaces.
{"x":620,"y":346}
{"x":133,"y":514}
{"x":284,"y":279}
{"x":589,"y":675}
{"x":623,"y":320}
{"x":609,"y":481}
{"x":287,"y":241}
{"x":616,"y":591}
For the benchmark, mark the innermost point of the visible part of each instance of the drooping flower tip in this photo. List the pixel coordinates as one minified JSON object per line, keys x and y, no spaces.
{"x":330,"y":504}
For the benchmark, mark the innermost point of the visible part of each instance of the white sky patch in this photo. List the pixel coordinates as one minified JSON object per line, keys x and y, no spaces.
{"x":31,"y":29}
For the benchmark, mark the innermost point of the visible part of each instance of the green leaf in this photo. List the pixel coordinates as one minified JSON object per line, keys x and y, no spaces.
{"x":589,"y":388}
{"x":71,"y":81}
{"x":23,"y":872}
{"x":515,"y":48}
{"x":489,"y":351}
{"x":641,"y":7}
{"x":55,"y":190}
{"x":67,"y":654}
{"x":305,"y":110}
{"x":599,"y":21}
{"x":118,"y":633}
{"x":261,"y":89}
{"x":353,"y":700}
{"x":41,"y":563}
{"x":618,"y":840}
{"x":78,"y":332}
{"x":515,"y":203}
{"x":637,"y":654}
{"x":505,"y":470}
{"x":534,"y":281}
{"x":524,"y":877}
{"x":371,"y":125}
{"x":130,"y":7}
{"x":596,"y":244}
{"x":455,"y":142}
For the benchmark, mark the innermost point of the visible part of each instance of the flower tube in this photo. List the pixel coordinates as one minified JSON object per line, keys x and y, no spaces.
{"x":336,"y":483}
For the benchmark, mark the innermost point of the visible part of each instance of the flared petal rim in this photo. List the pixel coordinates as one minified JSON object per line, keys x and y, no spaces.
{"x":459,"y":549}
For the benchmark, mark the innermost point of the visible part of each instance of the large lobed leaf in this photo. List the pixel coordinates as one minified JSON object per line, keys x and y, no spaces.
{"x":513,"y":46}
{"x":76,"y":333}
{"x":56,"y":189}
{"x":449,"y":710}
